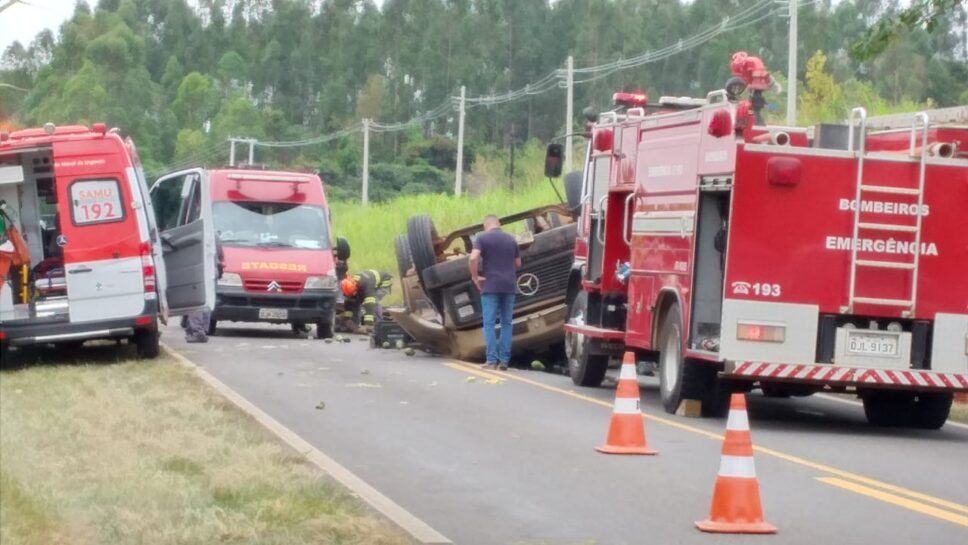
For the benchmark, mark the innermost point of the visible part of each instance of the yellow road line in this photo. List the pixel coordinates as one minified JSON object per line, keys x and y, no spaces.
{"x":768,"y":451}
{"x":476,"y":371}
{"x":896,"y":500}
{"x":861,"y":479}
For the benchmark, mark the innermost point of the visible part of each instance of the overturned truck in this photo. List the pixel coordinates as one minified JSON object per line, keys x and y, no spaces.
{"x":442,"y":307}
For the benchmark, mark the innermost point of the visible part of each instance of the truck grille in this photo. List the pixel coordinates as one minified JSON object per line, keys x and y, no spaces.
{"x":262,"y":286}
{"x":268,"y":302}
{"x":552,"y":274}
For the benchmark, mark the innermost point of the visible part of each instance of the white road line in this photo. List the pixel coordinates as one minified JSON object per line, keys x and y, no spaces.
{"x":839,"y":399}
{"x":420,"y":530}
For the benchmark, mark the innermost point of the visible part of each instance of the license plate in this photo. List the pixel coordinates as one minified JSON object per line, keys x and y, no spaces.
{"x":862,"y":343}
{"x":273,"y":314}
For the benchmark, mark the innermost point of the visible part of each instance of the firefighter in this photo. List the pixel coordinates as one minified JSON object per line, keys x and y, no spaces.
{"x":364,"y":291}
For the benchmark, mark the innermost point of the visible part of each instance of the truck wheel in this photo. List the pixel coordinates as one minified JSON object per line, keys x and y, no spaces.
{"x":147,"y":343}
{"x":404,"y":261}
{"x":421,"y":234}
{"x":888,"y":408}
{"x":585,"y":369}
{"x":4,"y":354}
{"x":931,"y":410}
{"x":680,"y":378}
{"x":774,"y":390}
{"x":324,"y":328}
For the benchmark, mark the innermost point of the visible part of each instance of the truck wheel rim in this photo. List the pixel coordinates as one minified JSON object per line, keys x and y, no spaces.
{"x":575,"y":341}
{"x":670,"y":361}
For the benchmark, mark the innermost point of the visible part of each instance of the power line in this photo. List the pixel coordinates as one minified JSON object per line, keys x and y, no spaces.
{"x":553,"y":80}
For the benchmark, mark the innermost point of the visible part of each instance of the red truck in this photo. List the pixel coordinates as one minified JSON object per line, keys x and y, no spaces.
{"x":276,"y":236}
{"x":735,"y":254}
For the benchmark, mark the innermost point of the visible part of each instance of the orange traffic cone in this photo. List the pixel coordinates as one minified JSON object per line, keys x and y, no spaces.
{"x":736,"y":505}
{"x":626,"y":433}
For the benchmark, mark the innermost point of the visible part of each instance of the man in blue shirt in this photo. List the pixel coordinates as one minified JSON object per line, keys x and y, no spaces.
{"x":501,"y":259}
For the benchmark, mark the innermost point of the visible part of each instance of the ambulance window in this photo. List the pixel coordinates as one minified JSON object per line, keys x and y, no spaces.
{"x":95,"y":201}
{"x":600,"y":180}
{"x":193,"y":205}
{"x":166,"y":200}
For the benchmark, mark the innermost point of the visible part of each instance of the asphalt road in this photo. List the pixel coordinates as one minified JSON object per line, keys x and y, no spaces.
{"x":507,"y":458}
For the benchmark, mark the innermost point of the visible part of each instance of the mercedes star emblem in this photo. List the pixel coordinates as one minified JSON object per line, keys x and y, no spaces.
{"x":274,"y":286}
{"x":528,"y":284}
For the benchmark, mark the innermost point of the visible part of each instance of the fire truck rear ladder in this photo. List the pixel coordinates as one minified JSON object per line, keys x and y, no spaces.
{"x":920,"y":121}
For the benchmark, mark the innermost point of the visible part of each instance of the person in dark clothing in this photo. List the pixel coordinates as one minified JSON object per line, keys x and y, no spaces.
{"x":196,"y":324}
{"x":364,"y":291}
{"x":501,"y":259}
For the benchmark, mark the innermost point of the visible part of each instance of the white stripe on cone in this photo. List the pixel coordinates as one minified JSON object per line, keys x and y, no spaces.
{"x":628,"y":372}
{"x":626,"y":405}
{"x":738,"y":421}
{"x":737,"y":466}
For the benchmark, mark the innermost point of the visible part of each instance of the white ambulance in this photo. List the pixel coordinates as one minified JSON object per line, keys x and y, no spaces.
{"x":93,"y":263}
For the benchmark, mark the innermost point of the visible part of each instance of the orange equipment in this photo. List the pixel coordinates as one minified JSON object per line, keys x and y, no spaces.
{"x":19,"y":256}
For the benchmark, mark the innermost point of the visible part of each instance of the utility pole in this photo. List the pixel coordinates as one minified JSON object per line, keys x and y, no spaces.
{"x":792,"y":67}
{"x":366,"y":161}
{"x":569,"y":109}
{"x":231,"y":152}
{"x":459,"y":178}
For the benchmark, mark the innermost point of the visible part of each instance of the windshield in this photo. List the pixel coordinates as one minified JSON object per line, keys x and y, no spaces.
{"x":271,"y":224}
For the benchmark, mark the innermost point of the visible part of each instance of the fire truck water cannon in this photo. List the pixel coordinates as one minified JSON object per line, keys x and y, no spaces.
{"x":749,"y":72}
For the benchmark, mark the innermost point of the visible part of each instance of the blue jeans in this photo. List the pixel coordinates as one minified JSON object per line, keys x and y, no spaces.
{"x":491,"y":305}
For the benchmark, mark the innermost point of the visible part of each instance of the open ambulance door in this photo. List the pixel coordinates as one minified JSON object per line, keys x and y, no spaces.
{"x":182,"y":205}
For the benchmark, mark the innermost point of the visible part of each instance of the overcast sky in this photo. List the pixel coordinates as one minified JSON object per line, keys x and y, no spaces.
{"x":21,"y":22}
{"x":24,"y":20}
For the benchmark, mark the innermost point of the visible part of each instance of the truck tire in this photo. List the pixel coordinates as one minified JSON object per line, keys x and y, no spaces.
{"x":585,"y":369}
{"x":931,"y":410}
{"x":324,"y":327}
{"x":888,"y":408}
{"x":680,"y":378}
{"x":421,"y":234}
{"x":404,"y":260}
{"x":573,"y":181}
{"x":147,"y":343}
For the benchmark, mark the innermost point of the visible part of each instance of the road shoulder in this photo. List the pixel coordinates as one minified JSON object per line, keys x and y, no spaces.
{"x":418,"y":529}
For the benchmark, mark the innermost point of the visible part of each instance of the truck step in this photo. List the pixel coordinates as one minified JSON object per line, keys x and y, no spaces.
{"x":885,"y":264}
{"x":883,"y":302}
{"x":892,"y":190}
{"x":889,"y":227}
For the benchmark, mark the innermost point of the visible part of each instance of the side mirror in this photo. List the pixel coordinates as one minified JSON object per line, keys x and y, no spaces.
{"x":553,"y":160}
{"x":342,"y":249}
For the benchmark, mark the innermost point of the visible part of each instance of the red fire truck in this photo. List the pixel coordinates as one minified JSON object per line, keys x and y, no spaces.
{"x":734,"y":254}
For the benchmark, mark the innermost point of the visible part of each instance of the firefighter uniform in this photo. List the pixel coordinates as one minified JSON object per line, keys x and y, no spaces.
{"x":371,"y":286}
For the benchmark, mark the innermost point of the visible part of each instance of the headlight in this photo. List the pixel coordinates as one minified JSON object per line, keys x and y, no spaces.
{"x":230,"y":279}
{"x":321,"y":283}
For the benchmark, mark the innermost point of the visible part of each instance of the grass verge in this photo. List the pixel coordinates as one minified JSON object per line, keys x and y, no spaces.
{"x":372,"y":230}
{"x":137,"y":452}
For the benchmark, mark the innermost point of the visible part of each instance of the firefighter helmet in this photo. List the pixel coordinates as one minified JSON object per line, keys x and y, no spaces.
{"x":348,"y":285}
